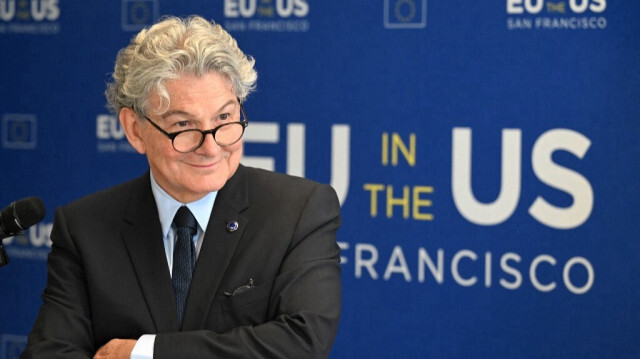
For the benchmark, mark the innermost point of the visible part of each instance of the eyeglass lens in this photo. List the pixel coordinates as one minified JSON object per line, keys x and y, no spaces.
{"x":224,"y":135}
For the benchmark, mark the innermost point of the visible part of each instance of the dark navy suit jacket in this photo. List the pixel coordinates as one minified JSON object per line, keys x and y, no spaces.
{"x":108,"y":275}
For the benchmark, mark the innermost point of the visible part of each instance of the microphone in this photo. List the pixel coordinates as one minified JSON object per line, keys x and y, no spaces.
{"x":18,"y":216}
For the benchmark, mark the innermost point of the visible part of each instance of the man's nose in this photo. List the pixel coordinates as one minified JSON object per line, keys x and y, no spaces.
{"x":209,"y":145}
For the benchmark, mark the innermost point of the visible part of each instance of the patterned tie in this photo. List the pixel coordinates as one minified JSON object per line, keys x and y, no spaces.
{"x":183,"y":257}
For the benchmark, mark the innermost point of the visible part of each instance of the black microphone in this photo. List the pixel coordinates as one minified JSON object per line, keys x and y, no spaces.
{"x":18,"y":216}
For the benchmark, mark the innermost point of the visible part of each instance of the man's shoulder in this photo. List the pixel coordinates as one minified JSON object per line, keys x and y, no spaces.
{"x":274,"y":187}
{"x":270,"y":180}
{"x":109,"y":198}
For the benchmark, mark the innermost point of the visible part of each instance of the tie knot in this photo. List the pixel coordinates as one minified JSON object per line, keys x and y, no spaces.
{"x":185,"y":219}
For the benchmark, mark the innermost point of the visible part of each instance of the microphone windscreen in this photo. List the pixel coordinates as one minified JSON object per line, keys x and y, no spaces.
{"x":22,"y":214}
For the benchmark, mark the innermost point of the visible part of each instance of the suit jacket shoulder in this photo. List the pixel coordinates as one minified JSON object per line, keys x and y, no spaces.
{"x":111,"y":201}
{"x":270,"y":186}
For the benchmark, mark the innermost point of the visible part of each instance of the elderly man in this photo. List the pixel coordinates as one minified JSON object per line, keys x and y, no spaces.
{"x":200,"y":257}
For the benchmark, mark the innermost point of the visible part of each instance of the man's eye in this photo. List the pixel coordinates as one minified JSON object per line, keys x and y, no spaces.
{"x":224,"y":116}
{"x":182,"y":123}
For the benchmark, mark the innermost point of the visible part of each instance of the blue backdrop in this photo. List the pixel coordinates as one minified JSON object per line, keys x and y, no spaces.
{"x":485,"y":154}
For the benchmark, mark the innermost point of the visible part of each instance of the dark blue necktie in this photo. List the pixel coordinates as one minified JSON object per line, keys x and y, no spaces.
{"x":183,"y":257}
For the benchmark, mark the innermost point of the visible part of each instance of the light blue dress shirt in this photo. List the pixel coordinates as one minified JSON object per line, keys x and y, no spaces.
{"x":167,"y":208}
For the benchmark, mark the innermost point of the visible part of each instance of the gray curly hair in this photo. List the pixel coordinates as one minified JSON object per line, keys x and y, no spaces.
{"x":172,"y":48}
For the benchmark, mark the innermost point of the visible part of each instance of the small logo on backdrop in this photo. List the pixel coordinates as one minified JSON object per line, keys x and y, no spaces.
{"x":556,"y":15}
{"x":110,"y":135}
{"x":405,"y":14}
{"x":34,"y":243}
{"x":266,"y":15}
{"x":29,"y":17}
{"x":12,"y":345}
{"x":136,"y":14}
{"x":19,"y":131}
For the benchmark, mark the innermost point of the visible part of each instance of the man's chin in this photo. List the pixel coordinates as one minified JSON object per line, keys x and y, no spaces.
{"x":215,"y":185}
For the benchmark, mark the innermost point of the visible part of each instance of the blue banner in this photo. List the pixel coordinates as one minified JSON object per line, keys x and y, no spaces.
{"x":485,"y":155}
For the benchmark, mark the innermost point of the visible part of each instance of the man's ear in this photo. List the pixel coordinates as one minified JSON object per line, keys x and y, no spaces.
{"x":131,"y":124}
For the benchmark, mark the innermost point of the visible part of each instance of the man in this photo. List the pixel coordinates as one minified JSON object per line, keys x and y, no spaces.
{"x":200,"y":257}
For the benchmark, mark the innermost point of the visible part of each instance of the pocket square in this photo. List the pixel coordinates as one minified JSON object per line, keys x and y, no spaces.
{"x":243,"y":288}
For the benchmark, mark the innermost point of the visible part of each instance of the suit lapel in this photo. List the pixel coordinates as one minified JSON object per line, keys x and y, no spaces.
{"x":143,"y":238}
{"x":217,"y":249}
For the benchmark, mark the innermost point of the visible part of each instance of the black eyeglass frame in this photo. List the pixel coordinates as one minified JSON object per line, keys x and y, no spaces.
{"x":244,"y":122}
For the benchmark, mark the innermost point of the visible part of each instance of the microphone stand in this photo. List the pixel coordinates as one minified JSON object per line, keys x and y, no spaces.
{"x":4,"y":258}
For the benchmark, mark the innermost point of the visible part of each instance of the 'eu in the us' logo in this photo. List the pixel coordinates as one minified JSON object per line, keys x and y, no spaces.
{"x":12,"y":346}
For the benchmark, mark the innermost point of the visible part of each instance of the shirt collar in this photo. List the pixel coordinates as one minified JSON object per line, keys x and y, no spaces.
{"x":168,"y":206}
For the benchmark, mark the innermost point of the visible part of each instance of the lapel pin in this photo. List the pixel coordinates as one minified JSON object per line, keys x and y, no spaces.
{"x":232,"y":226}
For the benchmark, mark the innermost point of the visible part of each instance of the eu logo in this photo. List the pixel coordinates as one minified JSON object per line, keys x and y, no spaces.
{"x":19,"y":131}
{"x":136,"y":14}
{"x":405,"y":14}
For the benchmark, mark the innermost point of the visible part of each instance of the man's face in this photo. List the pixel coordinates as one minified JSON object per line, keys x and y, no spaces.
{"x":196,"y":102}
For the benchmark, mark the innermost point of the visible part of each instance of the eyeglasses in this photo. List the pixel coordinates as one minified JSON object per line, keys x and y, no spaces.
{"x":190,"y":140}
